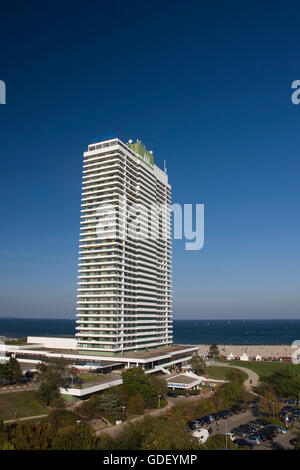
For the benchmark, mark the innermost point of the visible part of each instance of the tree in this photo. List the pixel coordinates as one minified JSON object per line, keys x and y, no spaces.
{"x":28,"y":436}
{"x":156,"y":434}
{"x":263,"y":387}
{"x":197,"y":364}
{"x":107,"y":405}
{"x":269,"y":404}
{"x":60,"y":418}
{"x":106,"y":442}
{"x":110,"y":404}
{"x":158,"y":384}
{"x":229,"y":394}
{"x":76,"y":437}
{"x":14,"y":370}
{"x":130,"y":439}
{"x":284,"y":383}
{"x":235,"y":375}
{"x":4,"y":374}
{"x":11,"y":372}
{"x":51,"y":378}
{"x":135,"y":405}
{"x":138,"y":384}
{"x":90,"y":409}
{"x":214,"y":351}
{"x":48,"y":392}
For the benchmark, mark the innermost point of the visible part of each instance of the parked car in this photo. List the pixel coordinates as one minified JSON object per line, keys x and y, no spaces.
{"x":243,"y":443}
{"x":207,"y":419}
{"x":212,"y":417}
{"x":287,"y":417}
{"x":248,"y":428}
{"x":216,"y":416}
{"x":223,"y":414}
{"x":250,"y":403}
{"x":198,"y":421}
{"x":255,"y":411}
{"x":29,"y":375}
{"x":281,"y":429}
{"x":255,"y":424}
{"x":172,"y":394}
{"x":239,"y":432}
{"x":293,"y":441}
{"x":289,"y":409}
{"x":262,"y":435}
{"x":273,"y":430}
{"x":235,"y":409}
{"x":265,"y":432}
{"x":192,"y":425}
{"x":226,"y":413}
{"x":292,"y":402}
{"x":262,"y":422}
{"x":231,"y":436}
{"x":253,"y":439}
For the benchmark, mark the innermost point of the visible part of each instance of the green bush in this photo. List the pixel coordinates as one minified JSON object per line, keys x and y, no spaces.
{"x":76,"y":437}
{"x":138,"y":384}
{"x":285,"y":383}
{"x":58,"y":402}
{"x":60,"y":417}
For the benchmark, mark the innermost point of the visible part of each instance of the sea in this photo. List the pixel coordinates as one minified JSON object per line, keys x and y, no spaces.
{"x":234,"y":332}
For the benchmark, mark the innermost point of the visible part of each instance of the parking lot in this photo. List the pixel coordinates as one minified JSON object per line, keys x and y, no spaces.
{"x":224,"y":426}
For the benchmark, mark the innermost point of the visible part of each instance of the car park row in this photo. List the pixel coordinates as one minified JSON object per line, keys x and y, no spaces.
{"x":256,"y":431}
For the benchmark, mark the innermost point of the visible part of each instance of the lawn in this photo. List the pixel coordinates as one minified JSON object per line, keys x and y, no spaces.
{"x":267,"y":368}
{"x":20,"y":405}
{"x":87,"y":377}
{"x":219,"y":372}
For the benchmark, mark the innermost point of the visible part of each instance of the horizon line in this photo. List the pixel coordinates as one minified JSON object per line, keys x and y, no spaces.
{"x":175,"y":319}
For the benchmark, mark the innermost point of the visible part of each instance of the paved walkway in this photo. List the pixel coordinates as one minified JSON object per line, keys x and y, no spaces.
{"x":8,"y":421}
{"x":253,"y":377}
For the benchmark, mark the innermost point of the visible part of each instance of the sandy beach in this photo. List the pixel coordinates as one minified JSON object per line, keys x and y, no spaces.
{"x":277,"y":351}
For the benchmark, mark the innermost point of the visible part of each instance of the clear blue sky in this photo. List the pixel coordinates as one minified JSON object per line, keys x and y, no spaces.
{"x":206,"y":86}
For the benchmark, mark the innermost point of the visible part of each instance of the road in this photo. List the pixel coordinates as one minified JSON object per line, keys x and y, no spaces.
{"x":253,"y":377}
{"x":19,"y":388}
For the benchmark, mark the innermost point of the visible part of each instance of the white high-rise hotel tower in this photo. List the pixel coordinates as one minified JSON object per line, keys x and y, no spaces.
{"x":124,"y":288}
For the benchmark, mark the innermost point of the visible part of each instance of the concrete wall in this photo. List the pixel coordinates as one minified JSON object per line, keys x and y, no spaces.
{"x":80,"y":392}
{"x":53,"y":342}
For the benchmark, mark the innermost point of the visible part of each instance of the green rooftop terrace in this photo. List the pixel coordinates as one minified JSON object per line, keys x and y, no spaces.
{"x":144,"y":154}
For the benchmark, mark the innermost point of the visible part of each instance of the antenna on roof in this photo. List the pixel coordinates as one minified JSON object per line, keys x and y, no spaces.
{"x":165,"y":168}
